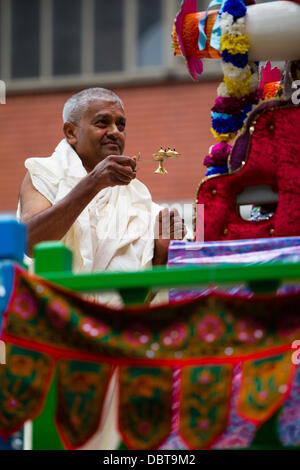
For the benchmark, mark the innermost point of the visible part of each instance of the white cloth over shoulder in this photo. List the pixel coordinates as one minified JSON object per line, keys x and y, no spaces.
{"x":115,"y":232}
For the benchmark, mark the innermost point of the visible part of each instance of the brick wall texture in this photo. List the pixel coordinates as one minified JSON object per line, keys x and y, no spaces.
{"x":169,"y":114}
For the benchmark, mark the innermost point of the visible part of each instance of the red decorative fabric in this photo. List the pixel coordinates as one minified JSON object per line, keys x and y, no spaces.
{"x":268,"y":152}
{"x":176,"y":363}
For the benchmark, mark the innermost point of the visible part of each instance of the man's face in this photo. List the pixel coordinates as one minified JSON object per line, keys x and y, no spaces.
{"x":100,"y":132}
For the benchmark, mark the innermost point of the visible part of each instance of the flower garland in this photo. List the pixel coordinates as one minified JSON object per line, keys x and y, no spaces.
{"x":239,"y":90}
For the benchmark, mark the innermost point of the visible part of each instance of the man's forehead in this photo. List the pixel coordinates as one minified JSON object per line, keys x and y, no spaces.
{"x":104,"y":106}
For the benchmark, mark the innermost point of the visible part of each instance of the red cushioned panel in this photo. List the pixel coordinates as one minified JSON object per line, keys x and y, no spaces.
{"x":272,"y":156}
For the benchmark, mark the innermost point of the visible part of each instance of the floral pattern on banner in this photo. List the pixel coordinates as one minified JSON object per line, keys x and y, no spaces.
{"x":205,"y":402}
{"x":81,"y":392}
{"x":145,"y":406}
{"x":24,"y":382}
{"x":177,"y":365}
{"x":265,"y":384}
{"x":202,"y":327}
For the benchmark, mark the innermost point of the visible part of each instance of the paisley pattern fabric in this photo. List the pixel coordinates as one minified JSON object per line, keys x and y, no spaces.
{"x":192,"y":372}
{"x":239,"y":431}
{"x":289,"y":421}
{"x":259,"y":251}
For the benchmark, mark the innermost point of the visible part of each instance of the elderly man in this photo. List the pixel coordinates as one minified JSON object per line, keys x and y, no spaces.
{"x":87,"y":195}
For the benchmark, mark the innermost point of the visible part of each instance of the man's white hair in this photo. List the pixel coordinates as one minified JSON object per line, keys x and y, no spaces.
{"x":76,"y":105}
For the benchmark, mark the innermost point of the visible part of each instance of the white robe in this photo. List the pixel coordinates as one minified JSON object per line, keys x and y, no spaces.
{"x":115,"y":232}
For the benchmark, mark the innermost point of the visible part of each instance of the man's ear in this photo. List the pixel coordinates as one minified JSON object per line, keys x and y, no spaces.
{"x":70,"y":131}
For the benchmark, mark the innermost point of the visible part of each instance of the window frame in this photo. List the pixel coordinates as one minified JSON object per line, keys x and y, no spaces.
{"x":172,"y":67}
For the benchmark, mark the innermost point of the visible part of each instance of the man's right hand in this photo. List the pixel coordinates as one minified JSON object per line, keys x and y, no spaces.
{"x":45,"y":221}
{"x":114,"y":170}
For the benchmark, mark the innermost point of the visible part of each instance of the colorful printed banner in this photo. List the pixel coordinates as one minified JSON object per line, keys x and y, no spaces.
{"x":196,"y":369}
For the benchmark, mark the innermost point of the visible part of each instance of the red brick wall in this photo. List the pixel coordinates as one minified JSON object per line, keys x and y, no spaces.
{"x":175,"y":115}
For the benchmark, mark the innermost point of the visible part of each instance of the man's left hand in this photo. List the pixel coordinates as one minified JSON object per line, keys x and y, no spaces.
{"x":168,"y":226}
